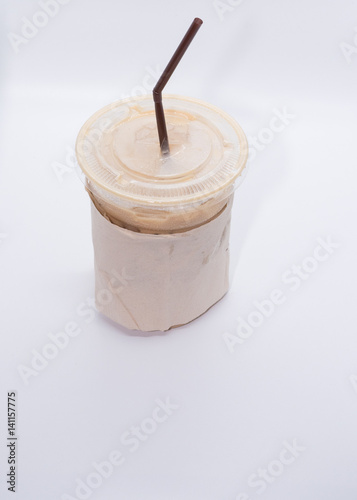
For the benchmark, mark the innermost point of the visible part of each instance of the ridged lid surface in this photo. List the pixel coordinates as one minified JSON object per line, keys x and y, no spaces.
{"x":118,"y":150}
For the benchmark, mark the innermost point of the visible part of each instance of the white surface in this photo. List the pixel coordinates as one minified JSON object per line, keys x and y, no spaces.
{"x":292,"y":378}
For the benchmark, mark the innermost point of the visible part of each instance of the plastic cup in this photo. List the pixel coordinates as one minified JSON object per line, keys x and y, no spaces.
{"x":135,"y":189}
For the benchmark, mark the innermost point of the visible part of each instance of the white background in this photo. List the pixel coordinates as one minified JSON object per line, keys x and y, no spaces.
{"x":295,"y":377}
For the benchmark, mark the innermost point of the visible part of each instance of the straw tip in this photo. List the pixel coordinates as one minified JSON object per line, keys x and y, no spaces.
{"x":198,"y":21}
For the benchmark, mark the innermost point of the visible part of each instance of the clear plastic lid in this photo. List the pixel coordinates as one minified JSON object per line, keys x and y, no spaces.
{"x":118,"y":151}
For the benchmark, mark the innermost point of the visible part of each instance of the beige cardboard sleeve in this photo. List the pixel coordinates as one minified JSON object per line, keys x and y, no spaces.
{"x":155,"y":282}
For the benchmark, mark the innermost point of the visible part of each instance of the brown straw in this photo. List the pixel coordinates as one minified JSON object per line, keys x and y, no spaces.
{"x":170,"y":68}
